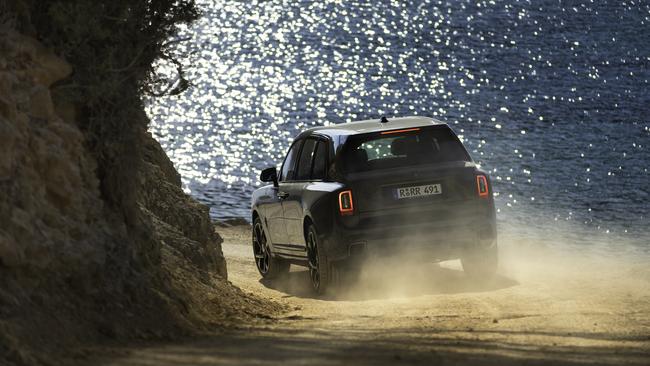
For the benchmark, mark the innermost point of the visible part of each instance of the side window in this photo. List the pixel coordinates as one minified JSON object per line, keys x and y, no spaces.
{"x":289,"y":165}
{"x":304,"y":164}
{"x":320,"y":161}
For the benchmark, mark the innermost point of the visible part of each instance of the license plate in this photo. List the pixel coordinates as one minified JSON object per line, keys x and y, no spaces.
{"x":419,"y":191}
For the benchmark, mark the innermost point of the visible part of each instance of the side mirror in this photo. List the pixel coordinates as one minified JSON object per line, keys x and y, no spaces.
{"x":270,"y":175}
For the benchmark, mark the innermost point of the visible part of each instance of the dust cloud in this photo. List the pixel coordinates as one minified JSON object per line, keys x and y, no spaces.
{"x":549,"y":261}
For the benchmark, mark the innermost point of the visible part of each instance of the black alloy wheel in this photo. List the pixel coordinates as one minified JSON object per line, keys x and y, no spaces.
{"x":319,"y":268}
{"x":312,"y":250}
{"x":267,"y":265}
{"x":260,"y":248}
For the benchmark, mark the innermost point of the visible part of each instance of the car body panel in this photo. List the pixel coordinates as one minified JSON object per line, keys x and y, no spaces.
{"x":372,"y":125}
{"x":293,"y":208}
{"x":269,"y":206}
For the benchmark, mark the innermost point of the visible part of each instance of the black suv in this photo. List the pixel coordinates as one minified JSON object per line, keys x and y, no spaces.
{"x":374,"y":188}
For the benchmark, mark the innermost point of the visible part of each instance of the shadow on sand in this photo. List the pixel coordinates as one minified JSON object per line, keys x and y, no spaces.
{"x":382,"y":281}
{"x":368,"y":347}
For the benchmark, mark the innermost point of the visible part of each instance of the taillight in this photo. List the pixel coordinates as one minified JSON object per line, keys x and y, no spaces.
{"x":346,"y":206}
{"x":482,"y":186}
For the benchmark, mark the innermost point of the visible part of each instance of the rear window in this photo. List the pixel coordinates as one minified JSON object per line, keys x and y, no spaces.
{"x":377,"y":151}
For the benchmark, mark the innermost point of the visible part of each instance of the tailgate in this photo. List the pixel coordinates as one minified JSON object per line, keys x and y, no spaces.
{"x":428,"y":185}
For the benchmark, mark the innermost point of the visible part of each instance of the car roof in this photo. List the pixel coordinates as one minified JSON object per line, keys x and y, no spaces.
{"x":372,"y":125}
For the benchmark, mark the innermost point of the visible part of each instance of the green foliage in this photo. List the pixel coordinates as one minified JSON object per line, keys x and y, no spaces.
{"x":112,"y":46}
{"x":111,"y":42}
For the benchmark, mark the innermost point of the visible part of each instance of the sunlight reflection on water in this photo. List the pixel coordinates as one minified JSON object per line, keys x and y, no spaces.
{"x":551,"y":99}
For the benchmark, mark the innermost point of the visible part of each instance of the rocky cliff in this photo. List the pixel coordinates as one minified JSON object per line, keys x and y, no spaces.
{"x":78,"y":263}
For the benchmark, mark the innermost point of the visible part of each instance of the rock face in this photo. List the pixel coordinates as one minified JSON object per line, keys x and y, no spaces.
{"x":50,"y":208}
{"x":72,"y":271}
{"x":53,"y":215}
{"x":176,"y":215}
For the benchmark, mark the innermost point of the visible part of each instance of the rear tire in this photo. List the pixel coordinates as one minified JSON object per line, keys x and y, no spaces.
{"x":480,"y":262}
{"x":267,"y":265}
{"x":320,"y":270}
{"x":349,"y":273}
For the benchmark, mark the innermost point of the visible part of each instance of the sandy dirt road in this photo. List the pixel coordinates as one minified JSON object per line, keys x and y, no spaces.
{"x":545,"y":307}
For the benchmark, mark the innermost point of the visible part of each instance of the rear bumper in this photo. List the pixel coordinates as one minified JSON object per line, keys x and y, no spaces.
{"x":431,"y":235}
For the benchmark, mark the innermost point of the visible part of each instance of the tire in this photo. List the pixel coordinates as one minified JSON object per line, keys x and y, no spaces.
{"x":349,"y":273}
{"x":267,"y":265}
{"x":320,"y":270}
{"x":480,"y":262}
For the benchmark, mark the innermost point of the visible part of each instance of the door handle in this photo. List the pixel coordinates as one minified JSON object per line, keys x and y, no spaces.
{"x":283,"y":195}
